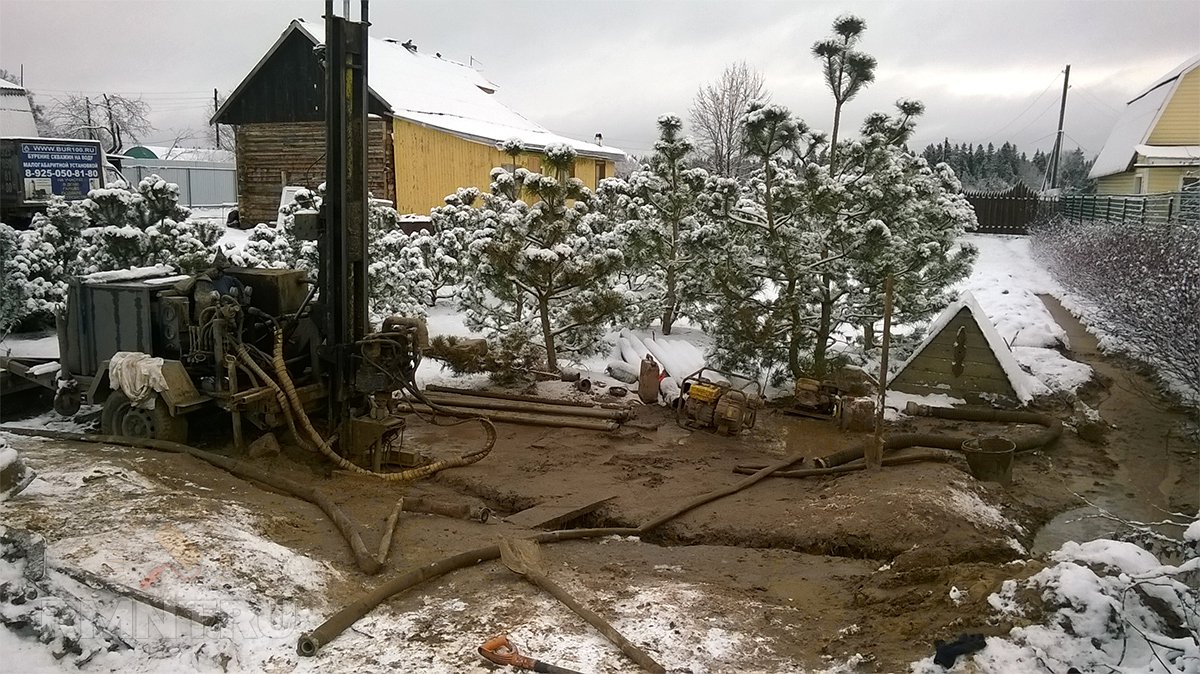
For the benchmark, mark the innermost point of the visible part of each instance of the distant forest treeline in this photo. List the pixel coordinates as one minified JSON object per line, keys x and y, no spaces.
{"x":994,"y":168}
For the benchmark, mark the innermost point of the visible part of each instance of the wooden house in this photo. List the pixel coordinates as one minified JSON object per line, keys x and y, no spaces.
{"x":964,"y":357}
{"x":1155,"y":145}
{"x":434,"y":126}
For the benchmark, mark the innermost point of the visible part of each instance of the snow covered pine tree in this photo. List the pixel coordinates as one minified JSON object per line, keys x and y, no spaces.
{"x":666,"y":232}
{"x":542,"y":269}
{"x":815,"y":247}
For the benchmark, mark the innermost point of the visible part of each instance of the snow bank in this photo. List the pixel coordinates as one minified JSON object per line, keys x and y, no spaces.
{"x":1105,"y":606}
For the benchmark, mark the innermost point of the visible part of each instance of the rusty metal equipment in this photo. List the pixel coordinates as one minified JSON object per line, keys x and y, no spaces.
{"x":816,"y":399}
{"x":717,"y":403}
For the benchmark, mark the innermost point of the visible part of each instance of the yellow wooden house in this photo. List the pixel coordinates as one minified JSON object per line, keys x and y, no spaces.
{"x":434,"y":127}
{"x":1155,"y":145}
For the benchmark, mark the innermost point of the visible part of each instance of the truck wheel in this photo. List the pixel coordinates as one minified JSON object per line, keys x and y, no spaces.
{"x":119,"y":417}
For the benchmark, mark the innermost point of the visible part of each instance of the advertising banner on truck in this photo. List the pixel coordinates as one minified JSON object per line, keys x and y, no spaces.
{"x":64,"y":169}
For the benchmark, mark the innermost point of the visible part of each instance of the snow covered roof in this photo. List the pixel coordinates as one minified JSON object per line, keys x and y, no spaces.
{"x":1022,"y":382}
{"x":16,"y":118}
{"x":449,"y":96}
{"x":201,"y":154}
{"x":1137,"y":121}
{"x":1170,"y":155}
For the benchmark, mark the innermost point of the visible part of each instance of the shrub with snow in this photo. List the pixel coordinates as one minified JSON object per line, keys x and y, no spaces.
{"x":444,"y":249}
{"x":114,"y":228}
{"x":808,"y":248}
{"x":1142,"y":283}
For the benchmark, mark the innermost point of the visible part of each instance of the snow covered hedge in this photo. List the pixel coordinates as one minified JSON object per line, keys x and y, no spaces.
{"x":1142,"y":285}
{"x":116,"y":227}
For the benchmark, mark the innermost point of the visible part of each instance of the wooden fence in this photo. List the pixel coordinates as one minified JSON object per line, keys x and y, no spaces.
{"x":1014,"y":210}
{"x":1010,"y":211}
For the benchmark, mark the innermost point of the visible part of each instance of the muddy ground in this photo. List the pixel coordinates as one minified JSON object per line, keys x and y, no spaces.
{"x":807,"y":572}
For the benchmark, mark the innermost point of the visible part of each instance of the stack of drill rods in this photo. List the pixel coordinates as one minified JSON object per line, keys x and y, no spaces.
{"x":550,"y":408}
{"x":567,"y":419}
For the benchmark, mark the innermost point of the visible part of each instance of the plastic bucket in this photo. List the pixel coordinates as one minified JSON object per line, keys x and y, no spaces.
{"x":990,"y":458}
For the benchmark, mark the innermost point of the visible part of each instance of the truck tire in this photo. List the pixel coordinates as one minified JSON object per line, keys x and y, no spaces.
{"x":119,"y":417}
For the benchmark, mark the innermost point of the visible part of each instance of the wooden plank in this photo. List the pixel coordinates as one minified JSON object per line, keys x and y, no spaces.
{"x":554,"y":513}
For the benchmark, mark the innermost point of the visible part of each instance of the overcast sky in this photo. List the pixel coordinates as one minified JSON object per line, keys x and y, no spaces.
{"x":987,"y":71}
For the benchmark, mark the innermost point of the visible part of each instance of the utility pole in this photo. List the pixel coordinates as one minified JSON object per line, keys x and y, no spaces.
{"x":218,"y":126}
{"x":88,"y":102}
{"x":1058,"y":141}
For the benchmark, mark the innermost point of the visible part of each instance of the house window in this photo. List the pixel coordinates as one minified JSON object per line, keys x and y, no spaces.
{"x":1191,"y":183}
{"x":1139,"y":184}
{"x":601,"y":171}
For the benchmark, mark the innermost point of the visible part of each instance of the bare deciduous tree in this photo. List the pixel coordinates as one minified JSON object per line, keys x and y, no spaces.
{"x":717,"y":114}
{"x":109,"y":118}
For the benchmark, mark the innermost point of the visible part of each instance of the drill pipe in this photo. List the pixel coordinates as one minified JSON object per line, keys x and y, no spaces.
{"x":522,"y":406}
{"x":1052,"y":431}
{"x":500,"y":395}
{"x":515,"y":417}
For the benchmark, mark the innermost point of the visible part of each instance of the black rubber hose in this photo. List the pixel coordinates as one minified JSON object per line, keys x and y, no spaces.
{"x":916,"y":457}
{"x":893,"y":441}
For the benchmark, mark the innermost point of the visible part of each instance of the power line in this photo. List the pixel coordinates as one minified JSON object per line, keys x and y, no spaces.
{"x":1027,"y":108}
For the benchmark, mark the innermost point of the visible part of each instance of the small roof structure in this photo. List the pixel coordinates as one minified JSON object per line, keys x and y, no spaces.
{"x":421,"y":88}
{"x":16,"y":117}
{"x":953,"y":359}
{"x":192,"y":154}
{"x":1137,"y":121}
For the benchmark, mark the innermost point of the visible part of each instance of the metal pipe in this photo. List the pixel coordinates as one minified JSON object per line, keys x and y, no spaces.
{"x":1052,"y":431}
{"x":519,"y":406}
{"x":554,"y":421}
{"x":500,"y":395}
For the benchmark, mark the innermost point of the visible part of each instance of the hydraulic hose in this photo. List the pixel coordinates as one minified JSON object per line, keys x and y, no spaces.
{"x":1052,"y":431}
{"x":289,"y":389}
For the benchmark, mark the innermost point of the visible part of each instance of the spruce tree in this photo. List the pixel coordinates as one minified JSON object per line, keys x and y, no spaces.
{"x":543,"y":267}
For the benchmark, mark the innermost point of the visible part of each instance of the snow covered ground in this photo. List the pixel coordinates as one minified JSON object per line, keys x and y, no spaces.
{"x":1100,"y":606}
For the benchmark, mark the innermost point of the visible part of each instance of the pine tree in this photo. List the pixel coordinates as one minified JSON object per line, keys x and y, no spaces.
{"x":543,"y":269}
{"x":810,"y":247}
{"x":846,"y":69}
{"x":444,"y":249}
{"x":666,"y":235}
